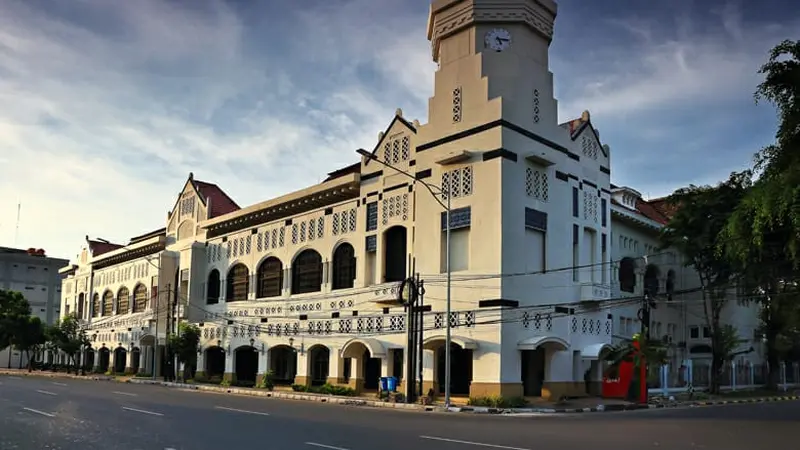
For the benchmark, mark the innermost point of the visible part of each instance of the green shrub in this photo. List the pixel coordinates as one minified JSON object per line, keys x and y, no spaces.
{"x":267,"y":381}
{"x":496,"y":401}
{"x":300,"y":388}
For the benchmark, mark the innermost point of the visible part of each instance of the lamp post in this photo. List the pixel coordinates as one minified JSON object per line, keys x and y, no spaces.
{"x":436,"y":192}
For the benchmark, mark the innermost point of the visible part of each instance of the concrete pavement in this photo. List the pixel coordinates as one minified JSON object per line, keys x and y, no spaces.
{"x":66,"y":414}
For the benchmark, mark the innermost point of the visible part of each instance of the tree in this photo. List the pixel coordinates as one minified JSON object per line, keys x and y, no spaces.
{"x":30,"y":338}
{"x":701,"y":214}
{"x":185,"y":345}
{"x":14,"y":311}
{"x":68,"y":336}
{"x":764,"y":230}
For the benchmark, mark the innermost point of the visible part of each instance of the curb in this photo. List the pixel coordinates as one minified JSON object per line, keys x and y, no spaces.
{"x":41,"y":374}
{"x":347,"y":401}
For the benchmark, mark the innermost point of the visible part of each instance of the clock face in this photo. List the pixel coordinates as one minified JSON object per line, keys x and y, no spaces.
{"x":498,"y":39}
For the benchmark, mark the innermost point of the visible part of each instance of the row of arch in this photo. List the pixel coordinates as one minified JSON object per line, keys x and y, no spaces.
{"x":125,"y":302}
{"x":120,"y":359}
{"x":652,"y":274}
{"x":306,"y":271}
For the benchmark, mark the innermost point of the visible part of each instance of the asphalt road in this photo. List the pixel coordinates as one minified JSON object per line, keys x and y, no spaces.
{"x":65,"y":414}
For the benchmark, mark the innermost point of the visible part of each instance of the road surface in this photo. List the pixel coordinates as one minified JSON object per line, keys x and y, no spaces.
{"x":66,"y":414}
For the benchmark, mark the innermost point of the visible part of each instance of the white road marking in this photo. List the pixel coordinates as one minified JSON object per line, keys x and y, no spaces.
{"x":142,"y":411}
{"x":242,"y":411}
{"x":45,"y":392}
{"x":125,"y":393}
{"x":59,"y":384}
{"x":478,"y":444}
{"x":325,"y":446}
{"x":36,"y":411}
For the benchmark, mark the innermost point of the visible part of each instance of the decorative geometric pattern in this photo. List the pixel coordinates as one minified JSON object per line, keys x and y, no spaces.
{"x":187,"y":205}
{"x":535,"y":106}
{"x":396,"y":149}
{"x":469,"y":319}
{"x":574,"y":324}
{"x":247,"y":245}
{"x":394,"y":208}
{"x":589,"y":147}
{"x":312,"y":229}
{"x":536,"y":184}
{"x":438,"y":320}
{"x":457,"y":105}
{"x":457,"y":182}
{"x":591,"y":206}
{"x":344,"y":222}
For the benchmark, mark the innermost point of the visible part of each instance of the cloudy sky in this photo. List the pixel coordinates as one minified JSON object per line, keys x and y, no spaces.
{"x":106,"y":106}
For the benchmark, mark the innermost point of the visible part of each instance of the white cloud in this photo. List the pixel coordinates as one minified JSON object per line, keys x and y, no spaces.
{"x":105,"y":114}
{"x":103,"y":119}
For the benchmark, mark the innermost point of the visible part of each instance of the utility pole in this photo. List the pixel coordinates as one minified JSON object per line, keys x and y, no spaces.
{"x":167,"y":329}
{"x":644,"y":339}
{"x":420,"y":350}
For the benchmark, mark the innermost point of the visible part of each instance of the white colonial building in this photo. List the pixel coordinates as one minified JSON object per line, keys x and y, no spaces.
{"x":302,"y":284}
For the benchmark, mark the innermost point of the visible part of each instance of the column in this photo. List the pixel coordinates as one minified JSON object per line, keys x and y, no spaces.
{"x":303,"y":372}
{"x":229,"y":365}
{"x":263,"y":364}
{"x":129,"y":362}
{"x":335,"y":368}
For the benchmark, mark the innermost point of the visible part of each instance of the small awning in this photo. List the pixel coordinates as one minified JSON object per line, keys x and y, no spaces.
{"x":534,"y":342}
{"x":434,"y":342}
{"x":375,"y":347}
{"x":593,"y":351}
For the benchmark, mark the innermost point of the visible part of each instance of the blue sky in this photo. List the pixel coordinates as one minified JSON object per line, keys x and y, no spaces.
{"x":105,"y":107}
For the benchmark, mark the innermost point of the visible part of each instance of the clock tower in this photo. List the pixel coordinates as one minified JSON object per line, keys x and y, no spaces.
{"x":493,"y":64}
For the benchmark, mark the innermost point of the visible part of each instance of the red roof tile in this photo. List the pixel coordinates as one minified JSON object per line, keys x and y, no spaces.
{"x":648,"y":210}
{"x":221,"y":203}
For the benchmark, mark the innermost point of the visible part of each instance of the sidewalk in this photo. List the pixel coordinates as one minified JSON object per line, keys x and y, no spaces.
{"x":575,"y":406}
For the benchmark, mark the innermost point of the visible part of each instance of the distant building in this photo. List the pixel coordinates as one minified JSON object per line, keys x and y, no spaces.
{"x":36,"y":276}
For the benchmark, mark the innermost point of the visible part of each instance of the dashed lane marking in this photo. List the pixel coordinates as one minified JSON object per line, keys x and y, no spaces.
{"x":41,"y":413}
{"x":477,"y":444}
{"x":315,"y":444}
{"x":59,"y":384}
{"x":241,"y":411}
{"x":142,"y":411}
{"x":46,"y":392}
{"x":125,"y":393}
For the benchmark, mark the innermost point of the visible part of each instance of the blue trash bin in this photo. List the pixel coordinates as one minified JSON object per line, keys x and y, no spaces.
{"x":384,"y":383}
{"x":392,"y":384}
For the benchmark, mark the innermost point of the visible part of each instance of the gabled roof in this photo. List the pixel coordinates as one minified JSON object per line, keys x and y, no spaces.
{"x":577,"y":126}
{"x":221,"y":203}
{"x":99,"y":246}
{"x":397,"y":118}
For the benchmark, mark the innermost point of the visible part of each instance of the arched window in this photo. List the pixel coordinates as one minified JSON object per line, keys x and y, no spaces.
{"x":108,"y":303}
{"x":670,"y":284}
{"x":627,"y":275}
{"x":270,"y":278}
{"x":344,"y":266}
{"x":139,"y":298}
{"x":238,"y":283}
{"x":95,"y":305}
{"x":307,"y":272}
{"x":81,"y":305}
{"x":123,"y":301}
{"x":651,"y":274}
{"x":212,"y":296}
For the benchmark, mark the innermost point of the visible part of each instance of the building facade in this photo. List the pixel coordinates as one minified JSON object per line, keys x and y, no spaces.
{"x":36,"y":276}
{"x":302,"y":285}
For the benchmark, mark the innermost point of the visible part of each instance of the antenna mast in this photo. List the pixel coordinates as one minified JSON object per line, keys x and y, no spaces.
{"x":16,"y":232}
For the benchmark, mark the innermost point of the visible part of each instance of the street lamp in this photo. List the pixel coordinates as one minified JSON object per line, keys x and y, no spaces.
{"x":436,"y":192}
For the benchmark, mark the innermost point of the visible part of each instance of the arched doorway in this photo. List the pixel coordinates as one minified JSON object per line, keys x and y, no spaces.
{"x":651,"y":280}
{"x":319,"y":357}
{"x":246,"y":361}
{"x":394,"y":264}
{"x":368,"y":354}
{"x":283,"y":363}
{"x":535,"y":355}
{"x":214,"y":362}
{"x":627,"y":275}
{"x":460,"y":369}
{"x":105,"y":358}
{"x":120,"y":359}
{"x":136,"y":359}
{"x":88,"y":359}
